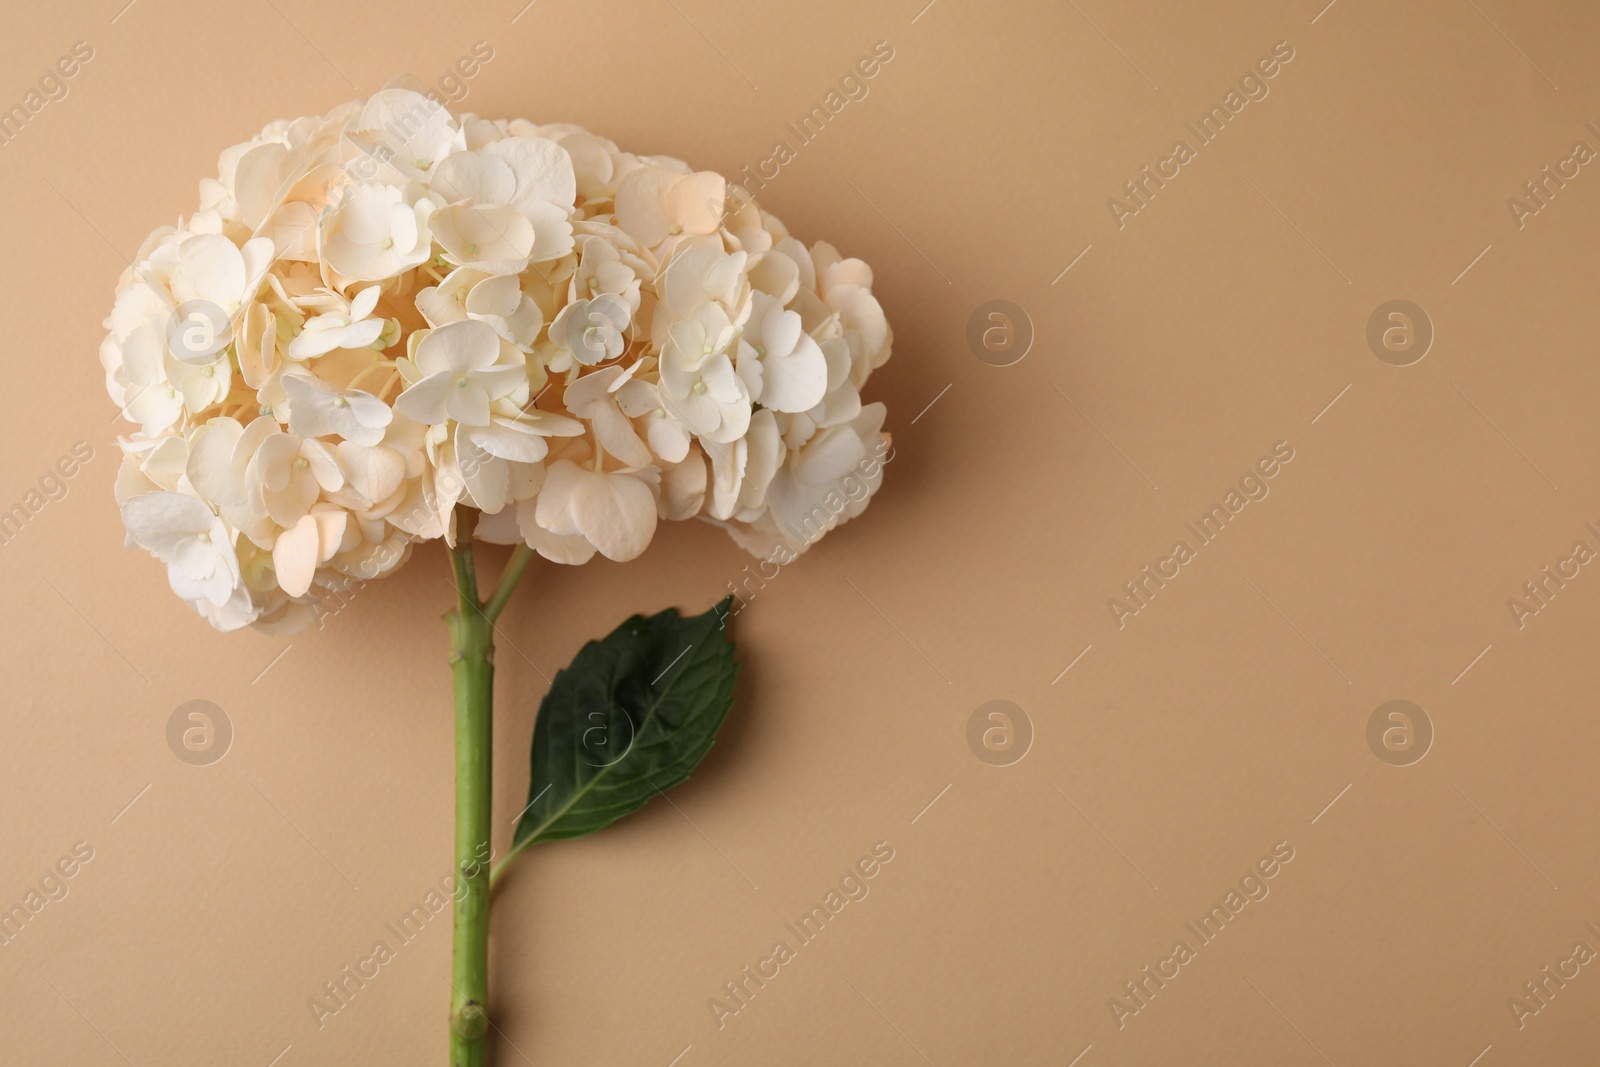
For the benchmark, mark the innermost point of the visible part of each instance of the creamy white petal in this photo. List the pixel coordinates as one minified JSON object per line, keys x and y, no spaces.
{"x":294,"y":556}
{"x":616,"y":512}
{"x":160,"y":523}
{"x":424,"y":402}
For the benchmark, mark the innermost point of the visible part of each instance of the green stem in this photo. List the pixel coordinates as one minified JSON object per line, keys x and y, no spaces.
{"x":508,"y":581}
{"x":471,"y":625}
{"x":472,"y":662}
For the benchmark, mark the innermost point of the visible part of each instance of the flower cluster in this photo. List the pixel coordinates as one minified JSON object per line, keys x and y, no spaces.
{"x":391,"y":310}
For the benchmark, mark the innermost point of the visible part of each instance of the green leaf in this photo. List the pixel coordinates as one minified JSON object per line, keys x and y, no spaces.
{"x":630,"y":718}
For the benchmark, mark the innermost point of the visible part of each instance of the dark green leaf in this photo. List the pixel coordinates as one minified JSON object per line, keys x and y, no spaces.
{"x":629,"y":719}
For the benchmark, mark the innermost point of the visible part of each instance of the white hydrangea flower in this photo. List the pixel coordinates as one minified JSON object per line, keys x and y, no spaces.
{"x":782,"y":366}
{"x":186,"y":535}
{"x":593,"y":331}
{"x":457,"y":376}
{"x":354,"y":329}
{"x":376,"y":234}
{"x":576,"y":341}
{"x":318,"y":409}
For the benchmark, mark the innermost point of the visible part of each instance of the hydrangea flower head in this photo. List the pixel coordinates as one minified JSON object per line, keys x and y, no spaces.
{"x":385,"y":312}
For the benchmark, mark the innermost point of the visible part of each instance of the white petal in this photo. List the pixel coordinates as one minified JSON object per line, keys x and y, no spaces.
{"x":500,"y":380}
{"x":255,"y":181}
{"x":637,"y":398}
{"x":582,"y":395}
{"x":332,"y":522}
{"x":488,"y":478}
{"x":496,"y":239}
{"x":542,"y":167}
{"x":727,"y":474}
{"x":775,"y":273}
{"x":368,"y":410}
{"x":551,"y":229}
{"x":438,"y":304}
{"x":309,"y":343}
{"x":569,"y":549}
{"x":210,"y":466}
{"x":508,"y":439}
{"x":155,"y":407}
{"x":209,"y":268}
{"x":364,"y":302}
{"x":668,"y":438}
{"x":294,"y":556}
{"x":554,"y":511}
{"x":766,"y":456}
{"x":324,"y":465}
{"x":494,"y":296}
{"x":466,"y":403}
{"x":615,"y":433}
{"x":475,"y":176}
{"x":310,"y":403}
{"x":683,"y":487}
{"x":797,"y":381}
{"x":696,"y":201}
{"x":830,"y":456}
{"x":361,"y":334}
{"x":616,"y":512}
{"x":640,"y":211}
{"x":424,"y":402}
{"x":161,"y":522}
{"x":373,"y":471}
{"x":458,"y":347}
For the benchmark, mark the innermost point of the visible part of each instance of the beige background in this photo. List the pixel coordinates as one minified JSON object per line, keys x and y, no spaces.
{"x":1224,"y":718}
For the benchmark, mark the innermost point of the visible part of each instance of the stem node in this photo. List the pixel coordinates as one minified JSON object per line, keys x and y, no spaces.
{"x":469,"y":1021}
